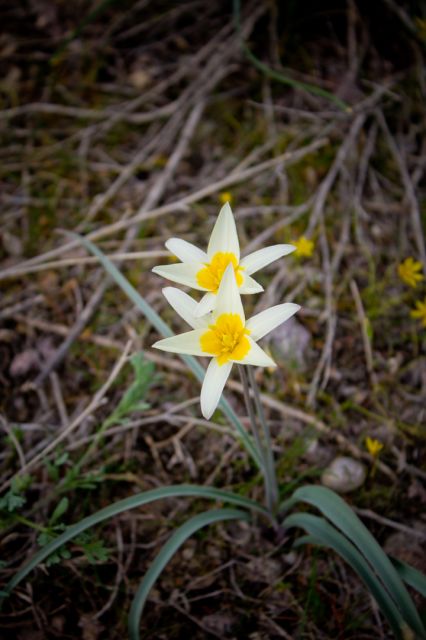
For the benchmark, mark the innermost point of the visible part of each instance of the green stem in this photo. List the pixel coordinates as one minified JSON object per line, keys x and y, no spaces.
{"x":30,"y":524}
{"x":269,"y":454}
{"x":257,"y":439}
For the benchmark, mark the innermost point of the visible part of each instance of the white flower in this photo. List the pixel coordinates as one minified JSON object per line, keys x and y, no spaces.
{"x":204,"y":271}
{"x":224,"y":335}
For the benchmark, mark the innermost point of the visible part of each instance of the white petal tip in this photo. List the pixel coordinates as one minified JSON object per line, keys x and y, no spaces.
{"x":226,"y":208}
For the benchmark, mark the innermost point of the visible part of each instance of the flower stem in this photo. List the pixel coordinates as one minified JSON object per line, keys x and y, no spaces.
{"x":269,"y":454}
{"x":269,"y":490}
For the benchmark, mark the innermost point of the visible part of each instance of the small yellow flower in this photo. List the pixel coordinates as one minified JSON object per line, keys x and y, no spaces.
{"x":304,"y":247}
{"x":420,"y":311}
{"x":410,"y":272}
{"x":373,"y":446}
{"x":225,"y":197}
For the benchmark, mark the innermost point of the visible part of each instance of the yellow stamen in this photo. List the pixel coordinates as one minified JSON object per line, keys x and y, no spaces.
{"x":227,"y":339}
{"x":210,"y":276}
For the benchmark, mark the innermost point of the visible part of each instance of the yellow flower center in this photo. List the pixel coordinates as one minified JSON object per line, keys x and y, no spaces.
{"x":210,"y":276}
{"x":227,"y":339}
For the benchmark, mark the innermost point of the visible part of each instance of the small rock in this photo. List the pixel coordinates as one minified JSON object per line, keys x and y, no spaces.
{"x":12,"y":244}
{"x":315,"y":453}
{"x":264,"y":569}
{"x":24,"y":362}
{"x":290,"y":342}
{"x":220,"y":623}
{"x":139,"y":78}
{"x":344,"y":475}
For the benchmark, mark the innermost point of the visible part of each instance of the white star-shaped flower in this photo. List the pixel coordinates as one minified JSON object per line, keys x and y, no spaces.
{"x":204,"y":271}
{"x":223,"y":335}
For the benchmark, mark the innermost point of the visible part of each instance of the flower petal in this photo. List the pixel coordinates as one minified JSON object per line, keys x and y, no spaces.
{"x":206,"y":304}
{"x":186,"y":251}
{"x":185,"y":306}
{"x":265,"y":321}
{"x":187,"y":343}
{"x":228,"y":299}
{"x":214,"y":381}
{"x":183,"y":273}
{"x":224,"y":235}
{"x":256,"y":356}
{"x":259,"y":259}
{"x":250,"y":285}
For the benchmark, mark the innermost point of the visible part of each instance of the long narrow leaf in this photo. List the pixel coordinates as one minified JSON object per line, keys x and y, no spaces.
{"x":342,"y":516}
{"x":138,"y":500}
{"x":169,"y":549}
{"x":166,"y":332}
{"x":411,"y":576}
{"x":323,"y":533}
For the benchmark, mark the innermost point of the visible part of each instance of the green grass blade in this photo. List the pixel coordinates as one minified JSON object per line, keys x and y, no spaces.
{"x":280,"y":77}
{"x":323,"y":533}
{"x":411,"y":576}
{"x":166,"y":332}
{"x":138,"y":500}
{"x":169,"y":549}
{"x":342,"y":516}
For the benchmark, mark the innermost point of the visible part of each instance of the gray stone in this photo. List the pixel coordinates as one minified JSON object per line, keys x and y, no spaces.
{"x":344,"y":475}
{"x":289,"y":343}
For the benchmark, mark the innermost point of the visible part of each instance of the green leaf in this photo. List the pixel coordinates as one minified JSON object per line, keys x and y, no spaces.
{"x":133,"y":398}
{"x":11,"y":501}
{"x":323,"y":533}
{"x":169,"y":549}
{"x":59,"y":511}
{"x":138,"y":500}
{"x":166,"y":332}
{"x":342,"y":516}
{"x":45,"y":538}
{"x":411,"y":576}
{"x":21,"y":483}
{"x":62,"y":459}
{"x":93,"y":548}
{"x":280,"y":77}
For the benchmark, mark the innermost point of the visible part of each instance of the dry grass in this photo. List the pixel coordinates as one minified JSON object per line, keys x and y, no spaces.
{"x":130,"y":132}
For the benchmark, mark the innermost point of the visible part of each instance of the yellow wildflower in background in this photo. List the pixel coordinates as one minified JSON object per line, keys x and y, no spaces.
{"x":373,"y":446}
{"x":410,"y":272}
{"x":225,"y":197}
{"x":304,"y":247}
{"x":419,"y":313}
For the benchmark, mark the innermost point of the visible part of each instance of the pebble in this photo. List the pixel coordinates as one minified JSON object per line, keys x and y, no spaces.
{"x":344,"y":475}
{"x":290,"y":341}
